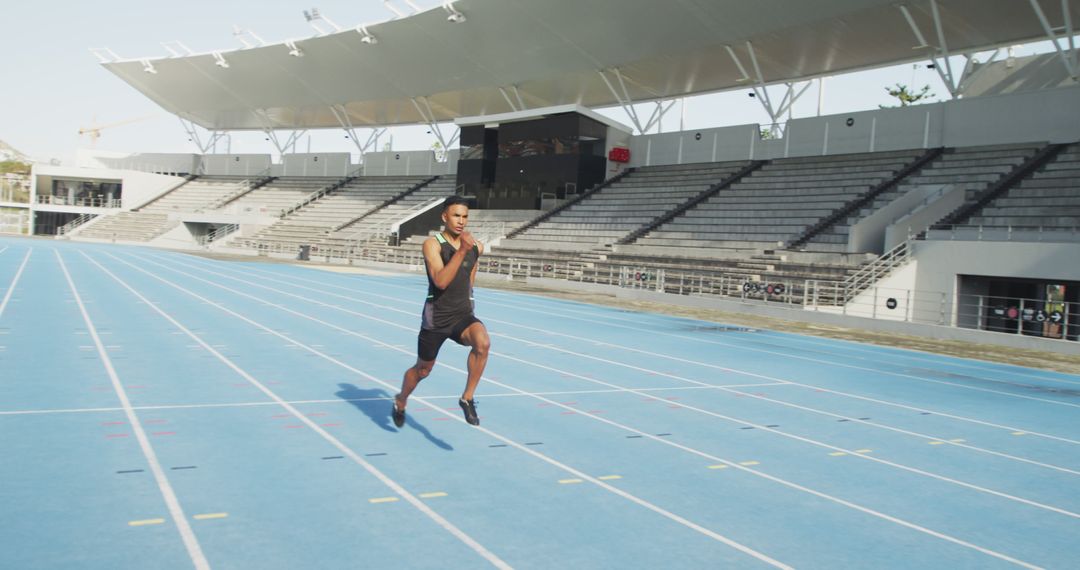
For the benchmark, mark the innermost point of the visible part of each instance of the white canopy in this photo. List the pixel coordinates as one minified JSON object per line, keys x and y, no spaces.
{"x":512,"y":54}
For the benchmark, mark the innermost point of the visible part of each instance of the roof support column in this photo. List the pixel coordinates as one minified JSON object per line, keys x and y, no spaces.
{"x":624,"y":99}
{"x":429,"y":117}
{"x":513,"y":106}
{"x":289,"y":144}
{"x":761,"y":90}
{"x":193,"y":136}
{"x":944,"y":71}
{"x":342,"y":117}
{"x":658,"y":114}
{"x":521,"y":102}
{"x":1069,"y":59}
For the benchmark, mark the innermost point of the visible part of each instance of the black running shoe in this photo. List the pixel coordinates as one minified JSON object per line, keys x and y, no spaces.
{"x":397,"y":415}
{"x":469,"y":407}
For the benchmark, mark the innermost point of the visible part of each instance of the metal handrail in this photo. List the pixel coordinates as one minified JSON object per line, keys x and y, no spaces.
{"x":243,"y":187}
{"x":983,"y":232}
{"x":882,"y":266}
{"x":217,"y":234}
{"x":68,"y":227}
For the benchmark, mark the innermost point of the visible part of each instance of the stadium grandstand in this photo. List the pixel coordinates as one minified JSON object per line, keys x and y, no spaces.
{"x":948,"y":222}
{"x":830,"y":214}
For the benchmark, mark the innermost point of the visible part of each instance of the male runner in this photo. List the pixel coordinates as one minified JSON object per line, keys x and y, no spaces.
{"x":450,"y":258}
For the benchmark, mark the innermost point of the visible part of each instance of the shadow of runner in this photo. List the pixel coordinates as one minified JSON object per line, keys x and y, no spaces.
{"x":376,"y":404}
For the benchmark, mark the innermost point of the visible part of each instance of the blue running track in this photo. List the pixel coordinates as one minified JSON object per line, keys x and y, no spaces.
{"x":161,"y":410}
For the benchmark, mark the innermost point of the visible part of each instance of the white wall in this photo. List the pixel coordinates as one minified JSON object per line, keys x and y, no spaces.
{"x":183,"y":163}
{"x":137,"y":187}
{"x":940,"y":261}
{"x":235,"y":164}
{"x":403,"y":163}
{"x":1041,"y":116}
{"x":314,"y":164}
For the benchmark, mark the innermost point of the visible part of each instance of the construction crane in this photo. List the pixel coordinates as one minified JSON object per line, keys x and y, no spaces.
{"x":95,"y":131}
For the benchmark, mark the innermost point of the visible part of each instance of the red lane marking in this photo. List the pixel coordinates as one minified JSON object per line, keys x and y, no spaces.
{"x":281,"y":416}
{"x":569,"y":413}
{"x":116,"y":435}
{"x":293,"y":427}
{"x":273,"y":382}
{"x":543,"y":405}
{"x":569,"y":403}
{"x":156,"y":422}
{"x":317,"y":414}
{"x":596,"y":411}
{"x":672,"y":398}
{"x":241,"y":384}
{"x":675,"y":407}
{"x":164,"y":433}
{"x":136,"y":387}
{"x":331,"y":425}
{"x":112,"y":423}
{"x":442,"y":419}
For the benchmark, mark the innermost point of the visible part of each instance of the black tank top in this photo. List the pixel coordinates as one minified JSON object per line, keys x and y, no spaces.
{"x":445,"y":308}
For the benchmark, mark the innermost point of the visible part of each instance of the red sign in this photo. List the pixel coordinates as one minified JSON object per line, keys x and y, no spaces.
{"x":619,"y":154}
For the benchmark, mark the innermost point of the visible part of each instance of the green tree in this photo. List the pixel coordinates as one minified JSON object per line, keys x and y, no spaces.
{"x":440,"y":152}
{"x":906,"y":96}
{"x":14,"y":167}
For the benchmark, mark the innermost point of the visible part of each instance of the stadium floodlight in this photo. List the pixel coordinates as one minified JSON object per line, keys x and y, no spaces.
{"x":294,"y":50}
{"x":219,"y":61}
{"x":367,"y":37}
{"x":314,"y":16}
{"x":455,"y":16}
{"x":148,"y":67}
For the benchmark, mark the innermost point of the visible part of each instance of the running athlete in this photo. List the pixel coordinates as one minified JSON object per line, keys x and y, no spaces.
{"x":450,"y":258}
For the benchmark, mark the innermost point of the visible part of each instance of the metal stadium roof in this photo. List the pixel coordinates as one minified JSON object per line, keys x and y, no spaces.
{"x":505,"y":55}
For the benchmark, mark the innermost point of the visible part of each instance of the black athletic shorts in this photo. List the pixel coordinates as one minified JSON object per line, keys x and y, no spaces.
{"x":429,"y":342}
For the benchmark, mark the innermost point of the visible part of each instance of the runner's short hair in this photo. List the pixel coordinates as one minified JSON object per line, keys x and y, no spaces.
{"x":453,"y":201}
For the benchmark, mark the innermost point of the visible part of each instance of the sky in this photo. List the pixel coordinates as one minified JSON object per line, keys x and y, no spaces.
{"x":52,"y":85}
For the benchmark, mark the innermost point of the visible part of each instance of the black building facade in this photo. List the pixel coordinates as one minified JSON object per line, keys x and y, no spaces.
{"x":516,"y":164}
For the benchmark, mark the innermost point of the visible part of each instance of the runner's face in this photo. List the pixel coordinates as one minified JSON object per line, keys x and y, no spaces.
{"x":456,"y":217}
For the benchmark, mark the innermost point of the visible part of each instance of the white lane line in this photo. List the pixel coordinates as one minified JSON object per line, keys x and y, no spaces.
{"x":11,"y":288}
{"x":382,"y":477}
{"x":619,"y":492}
{"x":681,"y":360}
{"x":876,"y":351}
{"x":827,"y":342}
{"x":182,"y":526}
{"x":592,"y":314}
{"x":453,"y":397}
{"x":783,"y":403}
{"x":733,"y":370}
{"x":820,"y":361}
{"x":822,"y":444}
{"x":736,"y":465}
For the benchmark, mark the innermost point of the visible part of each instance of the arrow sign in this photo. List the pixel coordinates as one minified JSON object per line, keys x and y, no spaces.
{"x":1056,"y":317}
